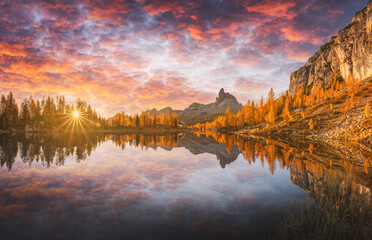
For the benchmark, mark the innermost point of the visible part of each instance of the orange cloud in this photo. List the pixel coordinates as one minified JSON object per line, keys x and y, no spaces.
{"x":271,"y":8}
{"x":135,"y":55}
{"x":156,"y":7}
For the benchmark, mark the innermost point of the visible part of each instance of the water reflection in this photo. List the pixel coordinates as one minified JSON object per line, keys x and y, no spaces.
{"x":140,"y":186}
{"x":47,"y":149}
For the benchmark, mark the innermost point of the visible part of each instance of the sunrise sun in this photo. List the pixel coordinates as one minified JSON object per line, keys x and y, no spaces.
{"x":76,"y":114}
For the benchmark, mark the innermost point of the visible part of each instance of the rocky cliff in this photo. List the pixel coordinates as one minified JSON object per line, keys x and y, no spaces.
{"x":349,"y":53}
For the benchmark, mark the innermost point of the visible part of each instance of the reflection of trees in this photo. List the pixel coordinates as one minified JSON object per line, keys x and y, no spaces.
{"x":317,"y":158}
{"x":317,"y":168}
{"x":338,"y":178}
{"x":305,"y":157}
{"x":53,"y":150}
{"x":47,"y":149}
{"x":8,"y":151}
{"x":301,"y":158}
{"x":144,"y":141}
{"x":340,"y":212}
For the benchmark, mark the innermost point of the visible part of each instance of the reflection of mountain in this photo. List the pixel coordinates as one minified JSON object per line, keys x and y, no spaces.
{"x":203,"y":144}
{"x":310,"y":163}
{"x":319,"y":169}
{"x":315,"y":167}
{"x":195,"y":144}
{"x":315,"y":178}
{"x":53,"y":150}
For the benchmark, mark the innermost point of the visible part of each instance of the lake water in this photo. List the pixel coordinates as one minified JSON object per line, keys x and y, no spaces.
{"x":177,"y":186}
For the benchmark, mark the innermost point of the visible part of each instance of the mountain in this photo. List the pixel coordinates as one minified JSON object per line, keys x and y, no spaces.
{"x":349,"y":53}
{"x":164,"y":110}
{"x":198,"y":112}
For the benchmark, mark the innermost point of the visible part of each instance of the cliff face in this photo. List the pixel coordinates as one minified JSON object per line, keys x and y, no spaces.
{"x":347,"y":54}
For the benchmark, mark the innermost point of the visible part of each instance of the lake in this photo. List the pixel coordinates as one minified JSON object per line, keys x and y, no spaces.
{"x":200,"y":185}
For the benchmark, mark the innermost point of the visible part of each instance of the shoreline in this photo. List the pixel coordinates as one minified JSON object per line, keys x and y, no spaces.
{"x":113,"y":131}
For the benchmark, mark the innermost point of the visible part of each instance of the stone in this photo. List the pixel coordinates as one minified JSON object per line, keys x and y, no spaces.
{"x":349,"y":53}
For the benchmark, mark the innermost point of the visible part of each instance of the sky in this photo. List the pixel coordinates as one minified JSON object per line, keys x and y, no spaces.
{"x":135,"y":55}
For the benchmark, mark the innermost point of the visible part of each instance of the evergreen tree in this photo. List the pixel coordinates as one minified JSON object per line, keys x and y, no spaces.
{"x":11,"y":112}
{"x":25,"y":113}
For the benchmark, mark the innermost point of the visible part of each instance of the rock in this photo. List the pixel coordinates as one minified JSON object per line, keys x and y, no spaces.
{"x":198,"y":112}
{"x":347,"y":54}
{"x":222,"y":96}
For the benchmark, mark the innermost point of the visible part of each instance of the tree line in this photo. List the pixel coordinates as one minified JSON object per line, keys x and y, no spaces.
{"x":145,"y":120}
{"x":282,"y":108}
{"x":47,"y":113}
{"x":56,"y":113}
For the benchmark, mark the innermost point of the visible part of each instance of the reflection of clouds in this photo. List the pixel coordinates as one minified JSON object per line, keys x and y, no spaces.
{"x":136,"y":188}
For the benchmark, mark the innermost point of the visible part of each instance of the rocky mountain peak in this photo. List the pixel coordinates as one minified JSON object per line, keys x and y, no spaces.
{"x":222,"y":92}
{"x":349,"y":53}
{"x":198,"y":112}
{"x":222,"y":96}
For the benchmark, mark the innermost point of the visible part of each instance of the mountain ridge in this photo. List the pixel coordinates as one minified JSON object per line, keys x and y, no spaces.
{"x":198,"y":112}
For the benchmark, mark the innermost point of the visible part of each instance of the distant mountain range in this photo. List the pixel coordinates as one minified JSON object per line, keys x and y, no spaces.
{"x":198,"y":112}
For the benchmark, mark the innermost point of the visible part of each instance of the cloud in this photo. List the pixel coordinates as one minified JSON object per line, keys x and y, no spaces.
{"x":280,"y":9}
{"x":135,"y":55}
{"x":254,"y":87}
{"x":165,"y":88}
{"x":158,"y":7}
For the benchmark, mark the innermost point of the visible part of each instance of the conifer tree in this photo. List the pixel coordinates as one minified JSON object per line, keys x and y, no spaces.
{"x":285,"y":112}
{"x":11,"y":112}
{"x":25,"y":113}
{"x":311,"y":124}
{"x":366,"y":110}
{"x":271,"y":115}
{"x":227,"y":118}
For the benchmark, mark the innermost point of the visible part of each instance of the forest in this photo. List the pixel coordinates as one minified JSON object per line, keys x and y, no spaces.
{"x":57,"y":115}
{"x":280,"y":111}
{"x":49,"y":113}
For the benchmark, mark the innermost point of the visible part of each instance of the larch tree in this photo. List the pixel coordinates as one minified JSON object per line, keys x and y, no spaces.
{"x":154,"y":118}
{"x":299,"y":97}
{"x":174,"y":120}
{"x":285,"y":112}
{"x":271,"y":116}
{"x":33,"y":109}
{"x":311,"y":124}
{"x":227,"y":118}
{"x":366,"y":110}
